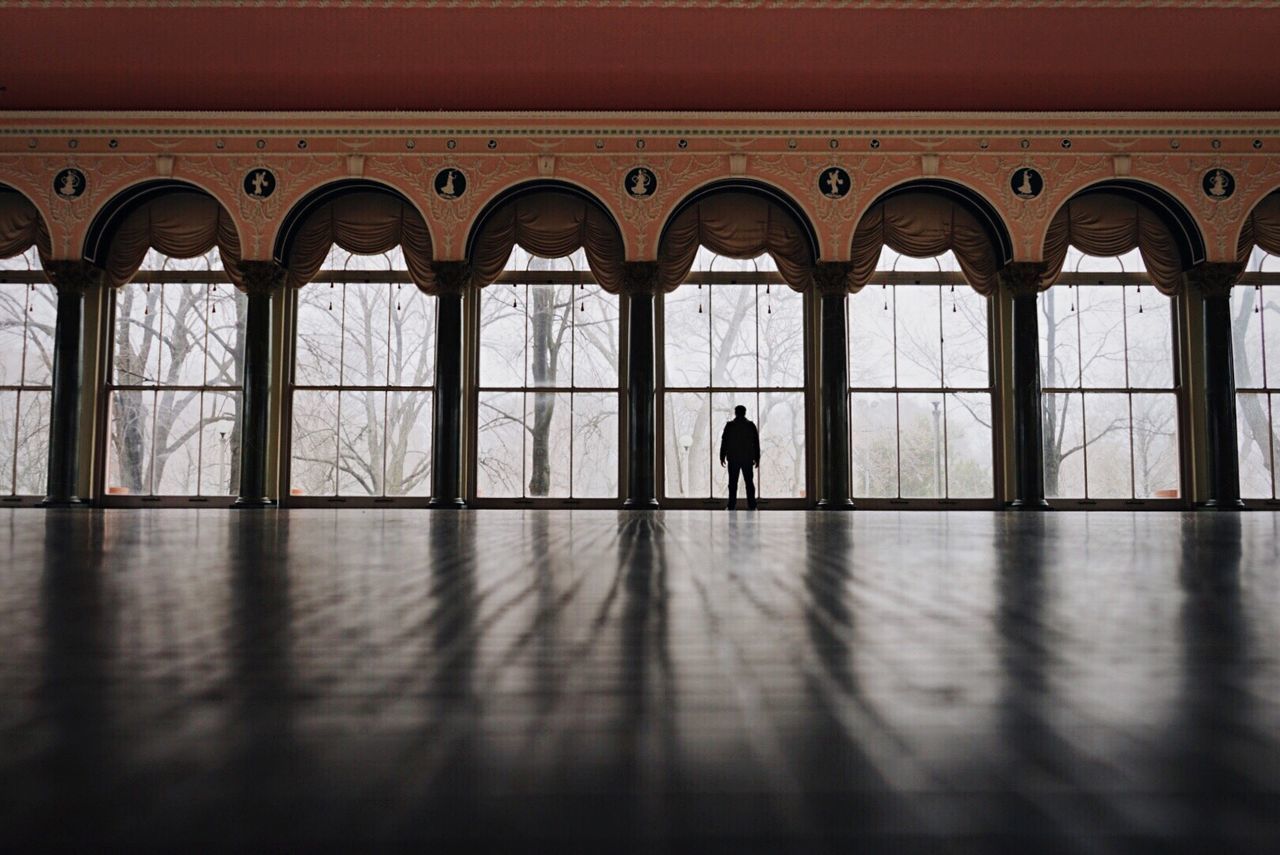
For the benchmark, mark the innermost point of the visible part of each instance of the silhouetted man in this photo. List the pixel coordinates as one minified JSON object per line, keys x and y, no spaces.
{"x":740,"y":450}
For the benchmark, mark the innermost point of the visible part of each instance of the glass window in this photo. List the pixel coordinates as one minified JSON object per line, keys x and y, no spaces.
{"x":1110,"y":394}
{"x":736,"y":338}
{"x":28,"y":310}
{"x":363,"y":376}
{"x":1255,"y":338}
{"x":548,"y":399}
{"x":173,"y":392}
{"x":920,"y":398}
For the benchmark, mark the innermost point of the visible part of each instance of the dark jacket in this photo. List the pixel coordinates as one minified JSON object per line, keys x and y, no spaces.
{"x":740,"y":442}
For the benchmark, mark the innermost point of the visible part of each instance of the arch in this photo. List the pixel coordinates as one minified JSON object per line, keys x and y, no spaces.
{"x":327,"y":192}
{"x":538,"y":185}
{"x":11,"y":220}
{"x":111,"y":215}
{"x":1182,"y":226}
{"x":986,"y":213}
{"x":751,"y":187}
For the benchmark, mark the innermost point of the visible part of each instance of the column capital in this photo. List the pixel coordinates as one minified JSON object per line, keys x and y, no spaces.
{"x":1022,"y":278}
{"x":640,"y":279}
{"x":831,"y":278}
{"x":73,"y":276}
{"x":261,"y":277}
{"x":1214,"y":278}
{"x":452,"y":277}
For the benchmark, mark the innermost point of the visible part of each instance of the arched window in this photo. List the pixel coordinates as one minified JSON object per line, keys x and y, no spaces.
{"x":360,"y":396}
{"x":1110,"y":405}
{"x":733,"y":334}
{"x":547,"y":402}
{"x":920,"y":379}
{"x":174,"y":381}
{"x":1255,"y":333}
{"x":28,"y":312}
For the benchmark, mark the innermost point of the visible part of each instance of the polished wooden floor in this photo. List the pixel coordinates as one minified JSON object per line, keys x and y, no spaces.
{"x":594,"y":681}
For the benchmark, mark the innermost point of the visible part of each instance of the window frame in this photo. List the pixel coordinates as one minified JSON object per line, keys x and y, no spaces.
{"x":1269,"y":390}
{"x":26,"y":280}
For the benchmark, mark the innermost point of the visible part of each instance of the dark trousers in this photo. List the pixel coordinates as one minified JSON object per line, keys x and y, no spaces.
{"x":748,"y":475}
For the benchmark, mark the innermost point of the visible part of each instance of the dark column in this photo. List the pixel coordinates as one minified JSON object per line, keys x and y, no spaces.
{"x":1214,"y":281}
{"x":1022,"y":280}
{"x":640,"y":287}
{"x":452,"y":278}
{"x":831,"y":281}
{"x":259,"y":279}
{"x":71,"y":279}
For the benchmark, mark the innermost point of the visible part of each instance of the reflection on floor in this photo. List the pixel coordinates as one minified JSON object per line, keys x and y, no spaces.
{"x":605,"y":682}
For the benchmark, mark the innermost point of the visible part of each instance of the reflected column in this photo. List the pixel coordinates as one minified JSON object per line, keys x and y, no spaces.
{"x":72,"y":279}
{"x":1022,"y":280}
{"x":1214,"y":280}
{"x":259,"y":280}
{"x":831,"y":286}
{"x":451,"y":278}
{"x":640,"y":286}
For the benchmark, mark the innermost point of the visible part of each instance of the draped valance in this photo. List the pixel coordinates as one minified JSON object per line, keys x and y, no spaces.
{"x":365,"y":222}
{"x":1261,"y":228}
{"x":182,"y":224}
{"x":21,"y":226}
{"x":737,"y":225}
{"x":922,"y":225}
{"x":550,"y":224}
{"x":1108,"y":224}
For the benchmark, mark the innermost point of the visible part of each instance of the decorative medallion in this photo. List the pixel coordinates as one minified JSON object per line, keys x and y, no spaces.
{"x":1219,"y":184}
{"x":69,"y":183}
{"x":259,"y":183}
{"x":834,"y":183}
{"x":641,"y":182}
{"x":450,"y":183}
{"x":1026,"y":183}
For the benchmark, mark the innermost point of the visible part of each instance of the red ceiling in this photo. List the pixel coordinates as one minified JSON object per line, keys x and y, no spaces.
{"x":639,"y":59}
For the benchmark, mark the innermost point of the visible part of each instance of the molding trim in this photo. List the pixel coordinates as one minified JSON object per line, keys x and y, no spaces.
{"x":778,"y":5}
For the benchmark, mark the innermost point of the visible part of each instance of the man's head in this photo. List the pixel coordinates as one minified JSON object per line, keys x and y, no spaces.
{"x":740,"y":411}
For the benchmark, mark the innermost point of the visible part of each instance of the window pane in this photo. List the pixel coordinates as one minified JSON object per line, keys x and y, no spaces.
{"x":722,"y":404}
{"x":919,"y":343}
{"x":409,"y":443}
{"x":874,"y":422}
{"x":1155,"y":447}
{"x":595,"y":444}
{"x":921,"y":444}
{"x":360,"y":438}
{"x":1102,"y":351}
{"x":550,"y":335}
{"x":1256,"y":434}
{"x":366,"y":314}
{"x":733,"y":335}
{"x":129,"y":442}
{"x":1275,"y":445}
{"x":1271,"y":327}
{"x":1062,"y":417}
{"x":1246,"y":337}
{"x":970,"y":474}
{"x":177,"y":443}
{"x":549,"y":420}
{"x":183,"y":327}
{"x":220,"y":444}
{"x":33,"y":443}
{"x":500,"y":444}
{"x":1106,"y":423}
{"x":8,"y":438}
{"x":502,"y":335}
{"x":228,"y":309}
{"x":1150,"y":333}
{"x":318,"y":355}
{"x":413,"y":338}
{"x":315,"y":444}
{"x":1059,"y":345}
{"x":781,"y":337}
{"x":137,"y":346}
{"x":965,"y":352}
{"x":13,"y":313}
{"x":687,"y":444}
{"x":871,"y":338}
{"x":782,"y":445}
{"x":42,"y":302}
{"x":595,"y":330}
{"x":687,"y":335}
